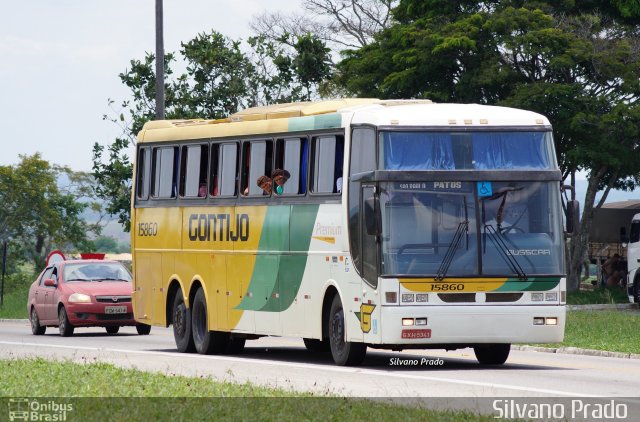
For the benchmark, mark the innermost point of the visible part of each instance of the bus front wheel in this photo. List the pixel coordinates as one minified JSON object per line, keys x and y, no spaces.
{"x":181,"y":317}
{"x":344,"y":353}
{"x":492,"y":354}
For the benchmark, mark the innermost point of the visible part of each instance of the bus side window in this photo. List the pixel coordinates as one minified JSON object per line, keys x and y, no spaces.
{"x":193,"y":171}
{"x":224,"y":169}
{"x":142,"y":176}
{"x":326,"y":162}
{"x":289,"y":157}
{"x":257,"y":161}
{"x":165,"y":163}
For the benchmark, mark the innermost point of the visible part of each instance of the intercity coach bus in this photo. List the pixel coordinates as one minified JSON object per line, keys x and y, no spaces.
{"x":351,"y":223}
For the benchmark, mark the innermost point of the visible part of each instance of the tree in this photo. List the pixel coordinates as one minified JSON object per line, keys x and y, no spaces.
{"x":579,"y":64}
{"x":340,"y":24}
{"x":36,"y":214}
{"x":220,"y":79}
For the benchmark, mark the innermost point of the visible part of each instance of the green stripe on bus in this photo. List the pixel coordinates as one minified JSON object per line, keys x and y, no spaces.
{"x":531,"y":284}
{"x":286,"y":228}
{"x":323,"y":121}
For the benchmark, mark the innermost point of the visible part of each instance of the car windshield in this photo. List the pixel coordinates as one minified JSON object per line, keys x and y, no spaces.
{"x":448,"y":229}
{"x":92,"y":271}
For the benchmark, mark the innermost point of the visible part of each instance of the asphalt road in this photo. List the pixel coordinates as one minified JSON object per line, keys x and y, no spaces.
{"x":285,"y":363}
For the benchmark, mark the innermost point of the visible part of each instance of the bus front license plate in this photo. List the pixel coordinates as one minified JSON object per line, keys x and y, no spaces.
{"x":115,"y":309}
{"x":426,"y":333}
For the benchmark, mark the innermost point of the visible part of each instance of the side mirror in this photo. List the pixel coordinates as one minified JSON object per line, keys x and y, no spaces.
{"x":372,"y":216}
{"x":573,"y":216}
{"x":50,"y":283}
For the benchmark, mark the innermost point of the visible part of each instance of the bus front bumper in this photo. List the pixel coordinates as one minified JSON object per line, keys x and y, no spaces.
{"x":470,"y":325}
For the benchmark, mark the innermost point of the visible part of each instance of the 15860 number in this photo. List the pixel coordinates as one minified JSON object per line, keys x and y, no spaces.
{"x":447,"y":287}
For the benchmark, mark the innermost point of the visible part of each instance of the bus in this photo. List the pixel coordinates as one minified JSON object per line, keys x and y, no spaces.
{"x":352,"y":224}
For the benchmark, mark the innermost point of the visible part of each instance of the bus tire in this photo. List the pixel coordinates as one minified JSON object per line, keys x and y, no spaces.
{"x":317,"y":346}
{"x":202,"y":338}
{"x":636,"y":291}
{"x":344,"y":353}
{"x":492,"y":354}
{"x":181,"y":318}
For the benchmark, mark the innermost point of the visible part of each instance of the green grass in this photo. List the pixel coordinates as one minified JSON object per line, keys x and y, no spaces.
{"x":14,"y":305}
{"x":597,"y":296}
{"x":172,"y":397}
{"x":615,"y":331}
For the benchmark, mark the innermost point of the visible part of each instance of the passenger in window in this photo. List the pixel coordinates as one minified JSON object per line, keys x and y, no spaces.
{"x":339,"y":185}
{"x":202,"y":191}
{"x":265,"y":183}
{"x":280,"y":177}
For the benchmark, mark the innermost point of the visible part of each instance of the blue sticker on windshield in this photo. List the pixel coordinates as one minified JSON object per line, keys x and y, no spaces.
{"x":484,"y":189}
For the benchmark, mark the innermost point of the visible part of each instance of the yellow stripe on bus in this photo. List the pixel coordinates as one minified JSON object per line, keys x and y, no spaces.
{"x":452,"y":285}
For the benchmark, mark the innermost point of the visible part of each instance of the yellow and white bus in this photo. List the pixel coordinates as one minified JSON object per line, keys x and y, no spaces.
{"x":384,"y":224}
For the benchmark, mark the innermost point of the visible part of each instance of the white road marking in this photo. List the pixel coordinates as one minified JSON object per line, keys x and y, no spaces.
{"x":374,"y":372}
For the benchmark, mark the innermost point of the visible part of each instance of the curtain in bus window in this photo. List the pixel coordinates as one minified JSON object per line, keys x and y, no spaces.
{"x":417,"y":151}
{"x":510,"y":150}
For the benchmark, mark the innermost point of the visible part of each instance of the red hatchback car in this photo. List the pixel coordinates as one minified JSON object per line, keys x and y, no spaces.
{"x":82,"y":293}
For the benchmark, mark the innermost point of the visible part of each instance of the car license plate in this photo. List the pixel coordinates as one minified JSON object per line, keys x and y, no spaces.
{"x":425,"y":333}
{"x":115,"y":309}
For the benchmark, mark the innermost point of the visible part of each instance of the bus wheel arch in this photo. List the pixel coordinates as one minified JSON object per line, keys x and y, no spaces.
{"x":329,"y":294}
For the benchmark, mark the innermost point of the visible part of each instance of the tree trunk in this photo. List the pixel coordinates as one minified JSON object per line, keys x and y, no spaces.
{"x":579,"y":243}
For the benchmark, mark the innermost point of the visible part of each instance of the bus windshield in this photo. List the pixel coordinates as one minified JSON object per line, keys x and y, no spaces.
{"x":500,"y":150}
{"x":455,"y":229}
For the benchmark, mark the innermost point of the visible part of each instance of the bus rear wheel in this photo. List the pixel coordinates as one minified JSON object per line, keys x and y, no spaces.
{"x":181,"y":317}
{"x":492,"y":354}
{"x":206,"y":342}
{"x":344,"y":353}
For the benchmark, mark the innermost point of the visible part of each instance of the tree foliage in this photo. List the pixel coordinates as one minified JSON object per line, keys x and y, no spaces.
{"x":219,"y":79}
{"x":576,"y":62}
{"x":38,"y":216}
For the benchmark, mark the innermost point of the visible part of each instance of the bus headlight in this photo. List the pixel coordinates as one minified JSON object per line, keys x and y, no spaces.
{"x":422,"y":297}
{"x":537,"y":297}
{"x":551,"y":297}
{"x":408,"y":297}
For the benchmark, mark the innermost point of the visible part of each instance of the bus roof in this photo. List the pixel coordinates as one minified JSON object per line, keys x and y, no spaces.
{"x":325,"y":114}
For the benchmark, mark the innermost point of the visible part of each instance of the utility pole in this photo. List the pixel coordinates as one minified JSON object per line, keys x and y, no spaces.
{"x":159,"y":62}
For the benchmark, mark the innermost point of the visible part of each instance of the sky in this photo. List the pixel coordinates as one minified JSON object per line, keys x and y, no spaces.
{"x":60,"y":60}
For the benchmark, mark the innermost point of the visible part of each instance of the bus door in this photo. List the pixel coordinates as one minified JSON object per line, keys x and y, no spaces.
{"x":369,"y":234}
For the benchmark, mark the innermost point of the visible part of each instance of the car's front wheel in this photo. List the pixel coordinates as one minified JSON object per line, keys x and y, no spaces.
{"x":143,"y":329}
{"x":36,"y":328}
{"x":66,"y":328}
{"x":112,"y":330}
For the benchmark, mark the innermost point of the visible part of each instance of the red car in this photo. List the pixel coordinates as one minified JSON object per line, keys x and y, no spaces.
{"x":82,"y":293}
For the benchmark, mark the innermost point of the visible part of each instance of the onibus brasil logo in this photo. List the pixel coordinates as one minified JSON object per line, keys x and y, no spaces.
{"x":23,"y":409}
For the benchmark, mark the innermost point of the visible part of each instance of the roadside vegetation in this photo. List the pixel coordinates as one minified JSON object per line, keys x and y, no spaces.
{"x":605,"y":295}
{"x":186,"y":398}
{"x":614,"y":331}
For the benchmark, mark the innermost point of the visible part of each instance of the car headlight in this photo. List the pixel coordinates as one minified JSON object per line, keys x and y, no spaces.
{"x":79,"y":298}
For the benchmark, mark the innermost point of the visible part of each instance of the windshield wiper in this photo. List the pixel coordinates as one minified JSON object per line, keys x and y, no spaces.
{"x":463,"y":228}
{"x":113,"y":279}
{"x":77,"y":279}
{"x":498,"y":240}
